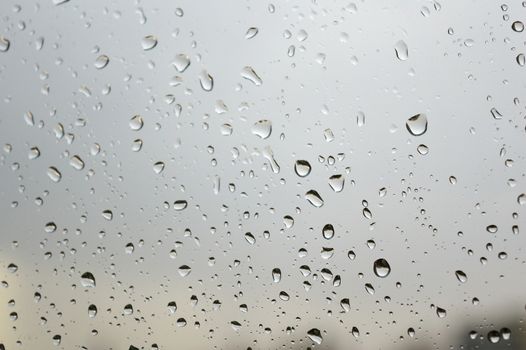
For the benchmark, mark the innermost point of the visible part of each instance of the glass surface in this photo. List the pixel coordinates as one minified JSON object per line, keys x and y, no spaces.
{"x":245,"y":174}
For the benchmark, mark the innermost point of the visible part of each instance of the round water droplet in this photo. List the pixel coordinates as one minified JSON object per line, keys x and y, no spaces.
{"x":54,"y":174}
{"x":422,"y":149}
{"x":492,"y":228}
{"x":101,"y":61}
{"x":517,"y":26}
{"x":314,"y":198}
{"x":401,"y":50}
{"x":262,"y":128}
{"x":381,"y":268}
{"x":136,"y":123}
{"x":417,"y":124}
{"x":493,"y":337}
{"x":302,"y":168}
{"x":148,"y":42}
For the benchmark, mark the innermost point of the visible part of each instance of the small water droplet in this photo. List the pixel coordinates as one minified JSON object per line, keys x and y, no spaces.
{"x":206,"y":81}
{"x":249,"y":74}
{"x":136,"y":123}
{"x":101,"y":62}
{"x":4,"y":44}
{"x":181,"y":62}
{"x":87,"y":280}
{"x":328,"y":231}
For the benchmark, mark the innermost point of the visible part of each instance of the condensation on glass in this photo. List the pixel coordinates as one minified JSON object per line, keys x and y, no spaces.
{"x":262,"y":175}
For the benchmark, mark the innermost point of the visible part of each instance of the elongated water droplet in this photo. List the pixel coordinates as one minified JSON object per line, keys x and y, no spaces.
{"x":249,"y":74}
{"x":76,"y":162}
{"x":54,"y":174}
{"x":401,"y":50}
{"x":521,"y":199}
{"x":276,"y":275}
{"x":328,"y":231}
{"x":314,"y":198}
{"x":4,"y":44}
{"x":251,"y":32}
{"x":206,"y":81}
{"x":180,"y":205}
{"x":461,"y":276}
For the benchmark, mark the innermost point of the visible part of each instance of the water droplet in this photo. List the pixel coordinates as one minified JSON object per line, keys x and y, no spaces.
{"x":87,"y":280}
{"x":76,"y":162}
{"x":249,"y":237}
{"x":422,"y":149}
{"x":328,"y":231}
{"x":92,"y":310}
{"x":521,"y":59}
{"x":180,"y":205}
{"x":302,"y":168}
{"x":314,"y":198}
{"x":262,"y":128}
{"x":401,"y":50}
{"x":249,"y":74}
{"x":517,"y":26}
{"x":493,"y":337}
{"x":336,"y":182}
{"x":54,"y":174}
{"x":461,"y":276}
{"x":276,"y":275}
{"x":148,"y":42}
{"x":521,"y":199}
{"x":172,"y":307}
{"x":184,"y":270}
{"x":136,"y":123}
{"x":441,"y":313}
{"x":206,"y":81}
{"x":251,"y":32}
{"x":495,"y":113}
{"x":181,"y":62}
{"x":345,"y":305}
{"x":492,"y":228}
{"x":4,"y":44}
{"x":101,"y":62}
{"x":381,"y":268}
{"x":417,"y":124}
{"x":315,"y":335}
{"x":158,"y":167}
{"x":107,"y":214}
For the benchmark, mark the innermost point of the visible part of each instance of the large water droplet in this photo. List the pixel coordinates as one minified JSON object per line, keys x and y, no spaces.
{"x":136,"y":123}
{"x":54,"y":174}
{"x":328,"y":231}
{"x":4,"y":44}
{"x":206,"y":81}
{"x":302,"y":168}
{"x":181,"y":62}
{"x":87,"y":280}
{"x":417,"y":124}
{"x":315,"y":335}
{"x":461,"y":276}
{"x":101,"y":61}
{"x":381,"y":268}
{"x":314,"y":198}
{"x":249,"y":74}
